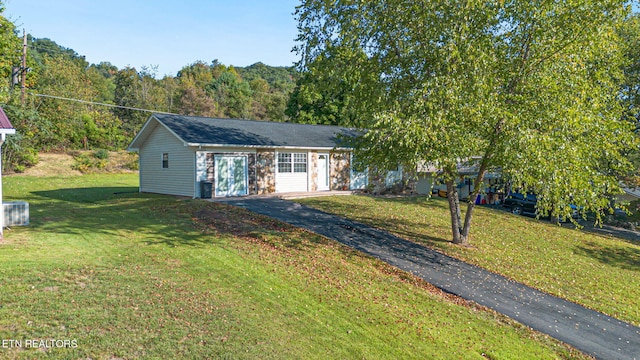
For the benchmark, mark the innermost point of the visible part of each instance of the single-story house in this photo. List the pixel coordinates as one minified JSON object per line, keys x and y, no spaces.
{"x":630,"y":194}
{"x":209,"y":157}
{"x":493,"y":188}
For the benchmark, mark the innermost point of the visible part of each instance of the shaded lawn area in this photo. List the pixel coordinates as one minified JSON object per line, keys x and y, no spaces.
{"x":602,"y":273}
{"x":129,"y":275}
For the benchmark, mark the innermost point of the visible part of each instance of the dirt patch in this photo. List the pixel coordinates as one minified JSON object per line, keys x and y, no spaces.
{"x":67,"y":164}
{"x":50,"y":164}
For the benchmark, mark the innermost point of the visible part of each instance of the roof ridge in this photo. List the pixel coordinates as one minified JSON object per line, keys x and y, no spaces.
{"x":245,"y":132}
{"x":249,"y":120}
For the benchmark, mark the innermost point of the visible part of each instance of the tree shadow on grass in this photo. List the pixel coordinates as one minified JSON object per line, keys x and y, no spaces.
{"x":114,"y":211}
{"x":228,"y":220}
{"x":354,"y":234}
{"x":629,"y":236}
{"x":86,"y":195}
{"x":623,"y":257}
{"x":403,"y":227}
{"x":155,"y":219}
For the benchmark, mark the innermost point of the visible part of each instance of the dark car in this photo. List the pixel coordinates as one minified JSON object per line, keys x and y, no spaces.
{"x":520,"y":204}
{"x":525,"y":204}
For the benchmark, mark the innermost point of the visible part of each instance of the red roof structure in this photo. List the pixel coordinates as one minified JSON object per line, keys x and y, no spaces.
{"x":5,"y":124}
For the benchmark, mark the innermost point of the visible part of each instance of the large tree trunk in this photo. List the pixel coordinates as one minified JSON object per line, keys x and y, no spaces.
{"x":477,"y":187}
{"x":460,"y":230}
{"x":467,"y":219}
{"x":456,"y":217}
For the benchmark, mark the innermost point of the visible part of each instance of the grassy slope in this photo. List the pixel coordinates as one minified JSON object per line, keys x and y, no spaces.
{"x":133,"y":275}
{"x":596,"y":271}
{"x":66,"y":164}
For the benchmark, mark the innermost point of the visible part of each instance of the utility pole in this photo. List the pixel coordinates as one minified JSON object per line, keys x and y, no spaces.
{"x":24,"y":63}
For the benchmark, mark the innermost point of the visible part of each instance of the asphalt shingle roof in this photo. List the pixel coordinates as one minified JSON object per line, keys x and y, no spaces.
{"x":212,"y":131}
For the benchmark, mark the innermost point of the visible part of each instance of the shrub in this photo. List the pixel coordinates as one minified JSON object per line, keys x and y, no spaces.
{"x":85,"y":163}
{"x":82,"y":163}
{"x":29,"y":158}
{"x":132,"y":165}
{"x":101,"y":154}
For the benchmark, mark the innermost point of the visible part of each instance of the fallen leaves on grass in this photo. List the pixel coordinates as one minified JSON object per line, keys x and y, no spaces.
{"x":226,"y":219}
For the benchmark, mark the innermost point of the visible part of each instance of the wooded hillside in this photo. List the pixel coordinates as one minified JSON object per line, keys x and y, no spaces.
{"x":71,"y":104}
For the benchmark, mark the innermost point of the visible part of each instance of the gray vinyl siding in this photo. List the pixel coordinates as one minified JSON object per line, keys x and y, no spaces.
{"x":179,"y":177}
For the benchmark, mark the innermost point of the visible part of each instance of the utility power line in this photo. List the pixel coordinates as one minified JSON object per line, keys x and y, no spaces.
{"x":101,"y":104}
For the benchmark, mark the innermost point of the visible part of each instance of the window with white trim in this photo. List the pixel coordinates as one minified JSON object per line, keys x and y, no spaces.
{"x":284,"y":163}
{"x":165,"y":160}
{"x":299,"y":163}
{"x":292,"y":162}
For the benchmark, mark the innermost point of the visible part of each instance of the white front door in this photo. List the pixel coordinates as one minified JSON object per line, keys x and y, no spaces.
{"x":323,"y":172}
{"x":231,"y":175}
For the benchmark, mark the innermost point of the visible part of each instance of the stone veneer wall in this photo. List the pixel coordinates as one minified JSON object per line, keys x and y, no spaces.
{"x":252,"y":175}
{"x":211,"y":169}
{"x":265,"y":173}
{"x":314,"y":171}
{"x":339,"y":172}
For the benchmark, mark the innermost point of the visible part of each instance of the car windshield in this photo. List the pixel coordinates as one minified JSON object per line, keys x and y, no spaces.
{"x":529,"y":197}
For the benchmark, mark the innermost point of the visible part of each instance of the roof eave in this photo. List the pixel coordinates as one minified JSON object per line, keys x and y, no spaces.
{"x":269,"y":147}
{"x":142,"y":134}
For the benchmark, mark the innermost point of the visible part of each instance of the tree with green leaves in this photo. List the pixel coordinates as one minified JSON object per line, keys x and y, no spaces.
{"x":10,"y":50}
{"x":192,"y":98}
{"x":232,"y":93}
{"x":63,"y":77}
{"x":127,"y":94}
{"x":629,"y":32}
{"x":529,"y":88}
{"x":319,"y":98}
{"x":48,"y":48}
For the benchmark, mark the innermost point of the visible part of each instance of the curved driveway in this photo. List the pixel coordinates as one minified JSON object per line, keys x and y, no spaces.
{"x":589,"y":331}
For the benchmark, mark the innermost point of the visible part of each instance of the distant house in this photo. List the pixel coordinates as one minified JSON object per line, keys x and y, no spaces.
{"x":630,"y":194}
{"x":493,"y":189}
{"x":192,"y":156}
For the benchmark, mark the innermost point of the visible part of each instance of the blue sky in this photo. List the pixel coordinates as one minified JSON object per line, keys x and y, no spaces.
{"x":164,"y":33}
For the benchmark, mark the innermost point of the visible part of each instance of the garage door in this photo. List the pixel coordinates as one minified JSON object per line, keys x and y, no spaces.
{"x":230,"y":175}
{"x":291,"y":172}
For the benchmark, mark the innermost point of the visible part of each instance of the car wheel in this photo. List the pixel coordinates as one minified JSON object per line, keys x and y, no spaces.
{"x":516,"y":210}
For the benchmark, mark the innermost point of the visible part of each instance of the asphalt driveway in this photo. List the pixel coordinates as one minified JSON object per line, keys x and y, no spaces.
{"x":589,"y":331}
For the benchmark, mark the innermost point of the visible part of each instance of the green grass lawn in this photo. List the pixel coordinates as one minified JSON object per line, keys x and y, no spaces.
{"x":602,"y":273}
{"x":129,"y":275}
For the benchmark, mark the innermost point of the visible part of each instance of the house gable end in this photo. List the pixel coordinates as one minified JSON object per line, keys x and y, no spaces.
{"x":146,"y":131}
{"x":166,"y":165}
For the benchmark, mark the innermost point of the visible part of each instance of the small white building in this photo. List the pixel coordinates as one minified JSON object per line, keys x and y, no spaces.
{"x":210,"y":157}
{"x":5,"y":129}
